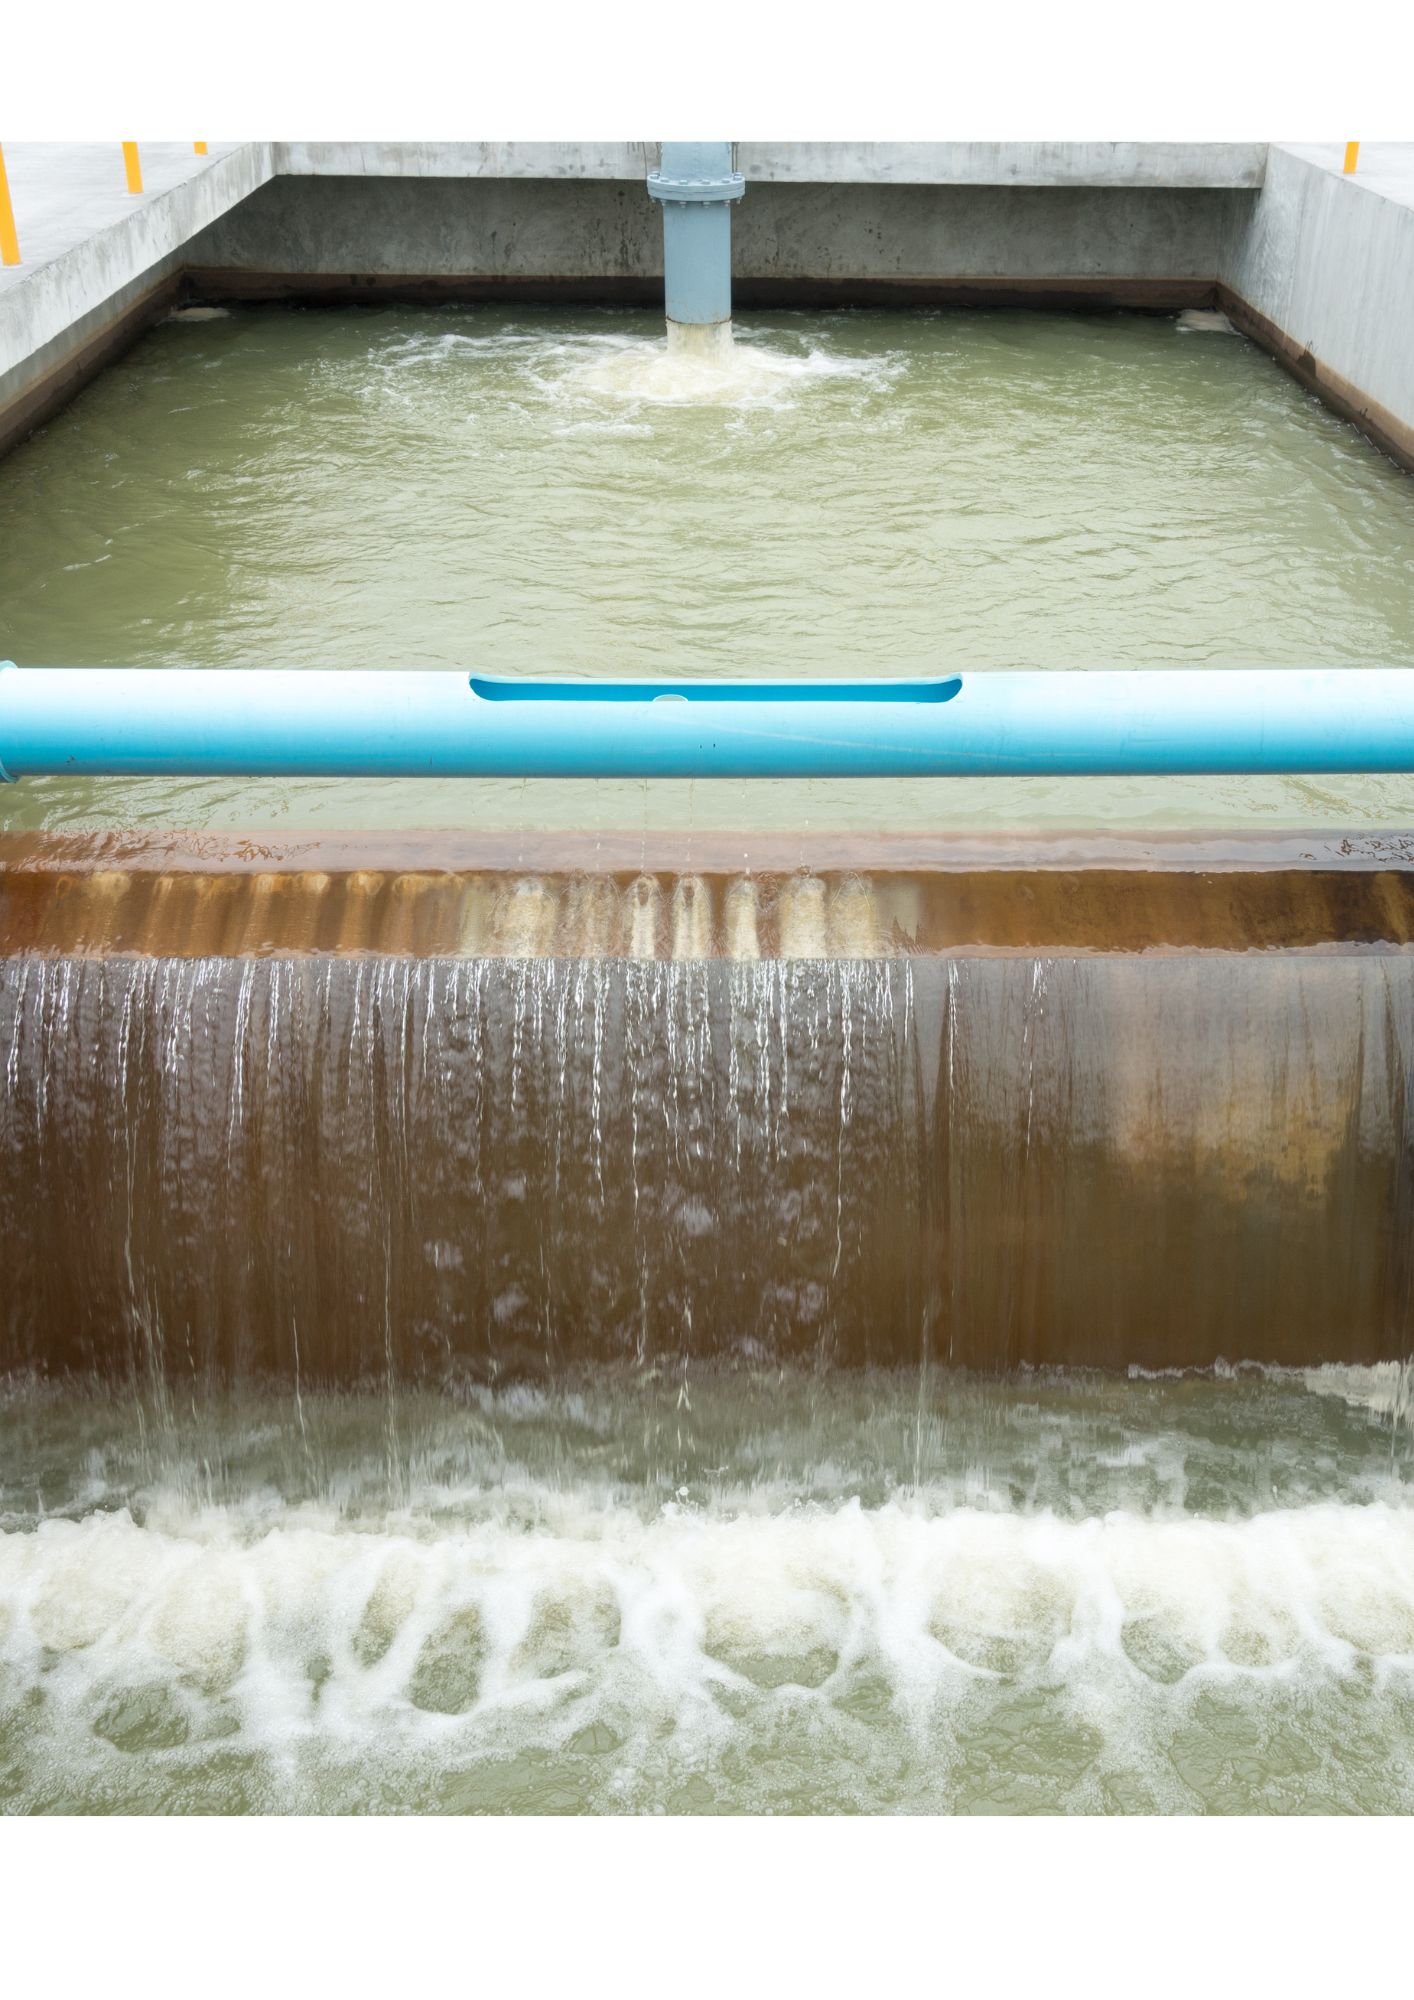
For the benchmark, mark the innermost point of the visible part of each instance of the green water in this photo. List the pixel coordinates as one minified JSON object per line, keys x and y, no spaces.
{"x":715,"y":1593}
{"x":878,"y":494}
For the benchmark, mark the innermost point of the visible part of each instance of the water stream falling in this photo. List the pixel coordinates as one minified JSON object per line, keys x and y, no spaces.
{"x":443,"y":1169}
{"x":423,"y":1384}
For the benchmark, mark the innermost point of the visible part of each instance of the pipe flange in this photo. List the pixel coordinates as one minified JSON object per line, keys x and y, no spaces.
{"x":709,"y":188}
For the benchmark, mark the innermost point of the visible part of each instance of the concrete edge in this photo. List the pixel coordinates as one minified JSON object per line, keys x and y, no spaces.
{"x":894,"y":163}
{"x":1393,"y":436}
{"x":1044,"y":294}
{"x":112,"y":331}
{"x":1216,"y":851}
{"x":54,"y":296}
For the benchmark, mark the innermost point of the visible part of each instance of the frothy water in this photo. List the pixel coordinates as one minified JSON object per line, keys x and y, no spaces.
{"x":731,"y":373}
{"x":718,"y":1592}
{"x":1196,"y":320}
{"x":582,"y":380}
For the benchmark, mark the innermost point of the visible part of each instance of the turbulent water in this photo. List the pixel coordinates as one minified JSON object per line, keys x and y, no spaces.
{"x":712,"y":1571}
{"x":707,"y":1591}
{"x":538,"y":492}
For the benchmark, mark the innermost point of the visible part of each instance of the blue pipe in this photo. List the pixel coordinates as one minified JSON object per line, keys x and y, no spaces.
{"x":696,"y":186}
{"x":139,"y":721}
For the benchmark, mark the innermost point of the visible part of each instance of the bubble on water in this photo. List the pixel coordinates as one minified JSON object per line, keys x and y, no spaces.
{"x":739,"y":1590}
{"x":1384,"y":1388}
{"x":608,"y":384}
{"x":694,"y":1642}
{"x":739,"y":375}
{"x":1195,"y":319}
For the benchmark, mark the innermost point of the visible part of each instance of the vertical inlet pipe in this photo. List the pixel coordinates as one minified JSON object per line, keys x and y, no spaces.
{"x":696,"y":185}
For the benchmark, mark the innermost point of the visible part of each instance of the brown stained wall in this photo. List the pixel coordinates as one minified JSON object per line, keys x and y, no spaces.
{"x":439,"y":1170}
{"x":1117,"y":1115}
{"x":722,"y":896}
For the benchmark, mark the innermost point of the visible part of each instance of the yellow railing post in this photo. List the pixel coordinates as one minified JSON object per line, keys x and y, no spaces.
{"x":1352,"y":154}
{"x":131,"y":166}
{"x":9,"y":241}
{"x":198,"y":145}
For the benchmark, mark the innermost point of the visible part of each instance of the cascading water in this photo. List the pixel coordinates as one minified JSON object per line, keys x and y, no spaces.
{"x":667,"y":1590}
{"x":483,"y":1169}
{"x":496,"y":1382}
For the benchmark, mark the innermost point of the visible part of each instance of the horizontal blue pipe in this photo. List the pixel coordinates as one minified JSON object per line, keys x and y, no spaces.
{"x":132,"y":721}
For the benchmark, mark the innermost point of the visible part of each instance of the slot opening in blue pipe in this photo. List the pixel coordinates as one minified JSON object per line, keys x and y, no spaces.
{"x":489,"y":687}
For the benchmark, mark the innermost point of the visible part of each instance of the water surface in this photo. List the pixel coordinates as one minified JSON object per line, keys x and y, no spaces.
{"x":877,"y":494}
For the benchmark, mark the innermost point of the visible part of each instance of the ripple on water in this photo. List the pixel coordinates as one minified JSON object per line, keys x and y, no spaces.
{"x":553,"y":491}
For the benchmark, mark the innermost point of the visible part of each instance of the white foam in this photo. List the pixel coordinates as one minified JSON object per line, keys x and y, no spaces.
{"x":291,"y":1631}
{"x":1194,"y":319}
{"x":603,"y":384}
{"x":649,"y":1590}
{"x":739,"y":375}
{"x":1384,"y":1388}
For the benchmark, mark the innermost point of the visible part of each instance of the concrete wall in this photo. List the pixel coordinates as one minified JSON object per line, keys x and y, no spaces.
{"x":939,"y":236}
{"x":930,"y":163}
{"x":402,"y":227}
{"x":1324,"y":277}
{"x":789,"y":238}
{"x":62,"y":316}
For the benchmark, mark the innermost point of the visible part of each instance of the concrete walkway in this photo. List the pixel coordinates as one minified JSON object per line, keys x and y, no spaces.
{"x":63,"y":194}
{"x":1385,"y":168}
{"x":97,"y":262}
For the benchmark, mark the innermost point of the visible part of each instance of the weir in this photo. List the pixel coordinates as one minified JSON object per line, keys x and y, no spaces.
{"x":293,"y":1114}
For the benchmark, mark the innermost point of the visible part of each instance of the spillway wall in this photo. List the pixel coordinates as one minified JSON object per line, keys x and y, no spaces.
{"x":369,"y":1156}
